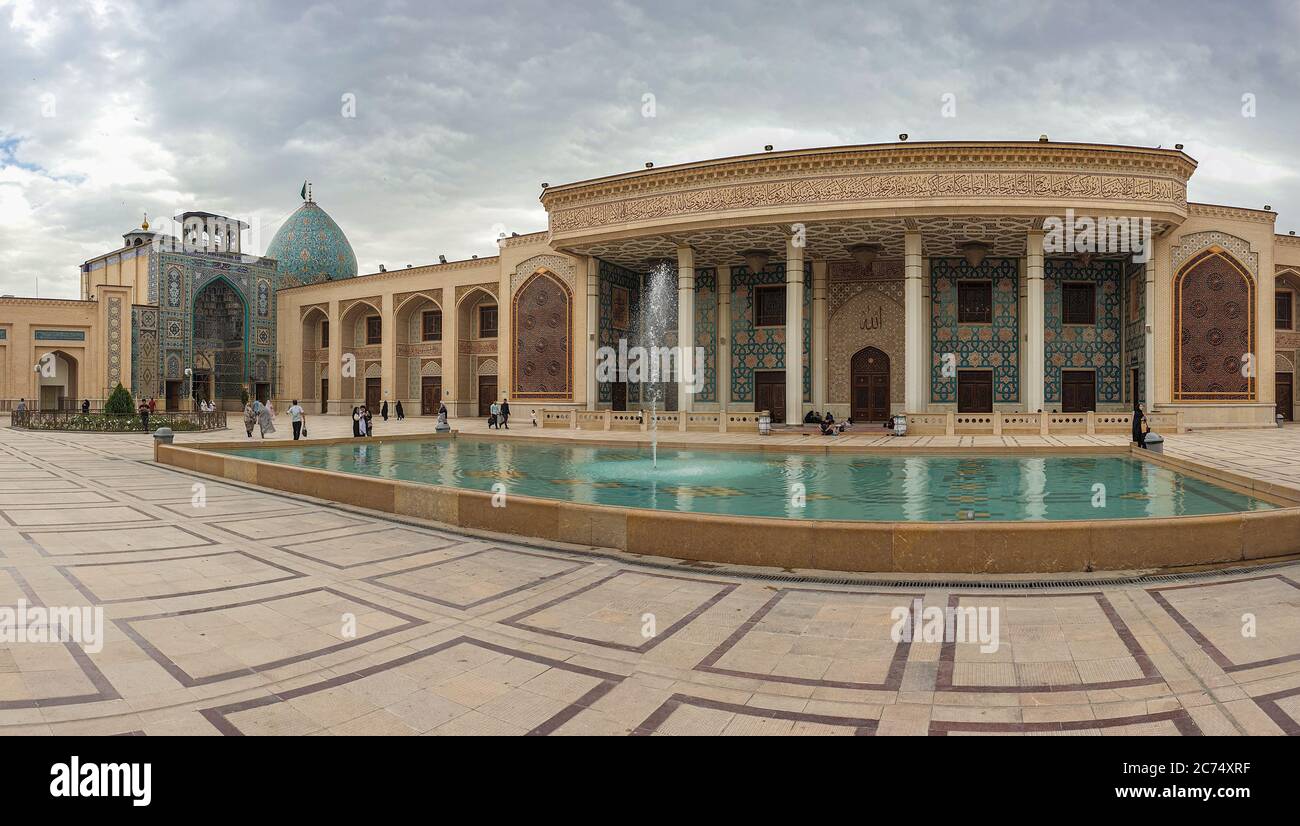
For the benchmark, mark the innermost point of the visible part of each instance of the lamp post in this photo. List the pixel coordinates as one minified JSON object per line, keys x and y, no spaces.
{"x":189,"y":385}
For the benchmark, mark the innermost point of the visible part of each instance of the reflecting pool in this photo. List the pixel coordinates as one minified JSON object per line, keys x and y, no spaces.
{"x":842,"y":486}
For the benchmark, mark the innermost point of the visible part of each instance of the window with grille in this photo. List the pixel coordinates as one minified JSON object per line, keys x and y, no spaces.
{"x":769,"y":306}
{"x":1079,"y":304}
{"x":975,"y":302}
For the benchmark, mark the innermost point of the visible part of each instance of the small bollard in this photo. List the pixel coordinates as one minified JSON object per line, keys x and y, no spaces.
{"x":161,"y":436}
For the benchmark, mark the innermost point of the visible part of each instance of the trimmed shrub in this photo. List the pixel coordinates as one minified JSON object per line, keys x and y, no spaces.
{"x":119,"y":402}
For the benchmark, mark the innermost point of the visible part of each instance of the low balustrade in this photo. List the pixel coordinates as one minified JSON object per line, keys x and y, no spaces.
{"x":918,"y":424}
{"x":663,"y":420}
{"x":179,"y":422}
{"x":705,"y":422}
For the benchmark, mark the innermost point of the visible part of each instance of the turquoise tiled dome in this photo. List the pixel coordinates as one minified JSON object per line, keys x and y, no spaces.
{"x":311,"y":248}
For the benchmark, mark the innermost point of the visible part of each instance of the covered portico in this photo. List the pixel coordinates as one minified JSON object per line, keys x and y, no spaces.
{"x":917,"y":277}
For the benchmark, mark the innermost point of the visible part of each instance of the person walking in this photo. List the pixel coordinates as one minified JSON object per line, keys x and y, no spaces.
{"x":152,"y":405}
{"x":22,"y":406}
{"x":370,"y":420}
{"x":298,"y":419}
{"x":494,"y":415}
{"x":383,"y":410}
{"x":505,"y":413}
{"x":398,"y":409}
{"x":250,"y":418}
{"x":143,"y":410}
{"x":265,"y":420}
{"x":363,"y":421}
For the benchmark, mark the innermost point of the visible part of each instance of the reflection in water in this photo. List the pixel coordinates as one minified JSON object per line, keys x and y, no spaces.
{"x":841,"y":486}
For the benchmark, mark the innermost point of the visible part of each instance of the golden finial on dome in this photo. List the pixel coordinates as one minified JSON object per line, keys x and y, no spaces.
{"x":145,"y":225}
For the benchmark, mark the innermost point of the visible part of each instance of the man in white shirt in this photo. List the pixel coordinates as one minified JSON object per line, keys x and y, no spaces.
{"x":298,"y":418}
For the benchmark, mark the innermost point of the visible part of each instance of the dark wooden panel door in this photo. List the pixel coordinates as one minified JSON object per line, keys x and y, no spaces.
{"x":324,"y":395}
{"x":974,"y":391}
{"x":769,"y":394}
{"x":487,"y":393}
{"x":374,"y":390}
{"x":1286,"y":396}
{"x":1078,"y":391}
{"x":870,"y":381}
{"x":619,"y":396}
{"x":430,"y":395}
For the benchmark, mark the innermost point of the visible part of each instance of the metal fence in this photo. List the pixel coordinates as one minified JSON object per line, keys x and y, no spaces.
{"x":68,"y":405}
{"x":104,"y":423}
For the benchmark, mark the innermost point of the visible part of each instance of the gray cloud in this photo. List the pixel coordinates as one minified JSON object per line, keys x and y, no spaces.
{"x":464,"y":108}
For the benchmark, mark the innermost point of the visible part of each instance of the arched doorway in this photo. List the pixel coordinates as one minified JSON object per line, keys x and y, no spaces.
{"x":219,"y":346}
{"x":543,"y":330}
{"x":1214,"y":330}
{"x":57,"y":379}
{"x":870,"y":382}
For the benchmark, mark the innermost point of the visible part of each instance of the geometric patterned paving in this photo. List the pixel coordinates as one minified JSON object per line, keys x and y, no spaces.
{"x":260,"y":613}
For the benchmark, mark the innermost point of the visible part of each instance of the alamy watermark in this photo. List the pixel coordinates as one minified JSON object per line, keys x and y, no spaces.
{"x":950,"y":624}
{"x":635,"y":364}
{"x":81,"y":624}
{"x":1105,"y":235}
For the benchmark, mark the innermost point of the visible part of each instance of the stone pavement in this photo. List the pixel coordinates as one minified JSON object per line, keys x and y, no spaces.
{"x":260,"y":613}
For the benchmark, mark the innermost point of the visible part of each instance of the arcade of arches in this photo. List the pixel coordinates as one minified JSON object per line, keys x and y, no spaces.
{"x":860,"y":280}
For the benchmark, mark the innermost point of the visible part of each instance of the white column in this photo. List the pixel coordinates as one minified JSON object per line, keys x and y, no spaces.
{"x":793,"y":331}
{"x":593,"y":318}
{"x":685,"y":324}
{"x":335,"y":373}
{"x":1034,"y":323}
{"x":820,"y":333}
{"x":917,"y":353}
{"x":1149,"y":328}
{"x":723,"y":360}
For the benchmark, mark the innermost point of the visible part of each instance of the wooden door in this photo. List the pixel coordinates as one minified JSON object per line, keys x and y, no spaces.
{"x":870,"y":382}
{"x":618,"y":393}
{"x":1286,"y":396}
{"x":430,"y":395}
{"x":172,"y":395}
{"x":324,"y":395}
{"x":769,"y":394}
{"x":487,"y":393}
{"x":974,"y":391}
{"x":1078,"y":391}
{"x":374,"y":391}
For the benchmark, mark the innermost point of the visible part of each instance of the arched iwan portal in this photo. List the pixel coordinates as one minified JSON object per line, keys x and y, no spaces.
{"x":219,"y":339}
{"x":542,"y":316}
{"x":1214,"y":330}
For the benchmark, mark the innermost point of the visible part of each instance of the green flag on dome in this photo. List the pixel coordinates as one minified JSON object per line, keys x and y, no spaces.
{"x":303,"y":194}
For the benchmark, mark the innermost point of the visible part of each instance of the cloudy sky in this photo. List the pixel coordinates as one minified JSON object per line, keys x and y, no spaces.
{"x":112,"y":108}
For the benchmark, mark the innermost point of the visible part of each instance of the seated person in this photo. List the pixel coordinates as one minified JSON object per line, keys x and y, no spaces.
{"x":811,"y":417}
{"x":828,"y":425}
{"x":847,"y":424}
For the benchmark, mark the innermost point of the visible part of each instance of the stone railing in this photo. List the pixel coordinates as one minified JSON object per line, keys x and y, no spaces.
{"x":664,"y":420}
{"x":1043,"y":424}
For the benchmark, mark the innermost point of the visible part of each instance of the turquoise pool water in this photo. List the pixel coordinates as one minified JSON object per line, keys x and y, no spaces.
{"x":925,"y":488}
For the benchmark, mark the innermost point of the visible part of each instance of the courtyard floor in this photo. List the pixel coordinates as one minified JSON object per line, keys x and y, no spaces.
{"x":260,"y":613}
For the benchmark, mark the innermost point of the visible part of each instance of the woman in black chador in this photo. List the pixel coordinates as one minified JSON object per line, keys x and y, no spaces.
{"x":1140,"y":427}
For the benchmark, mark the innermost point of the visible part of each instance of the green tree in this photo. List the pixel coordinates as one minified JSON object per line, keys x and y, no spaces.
{"x":119,"y":402}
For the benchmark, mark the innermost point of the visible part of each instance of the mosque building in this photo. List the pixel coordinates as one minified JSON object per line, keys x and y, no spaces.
{"x":862,"y":280}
